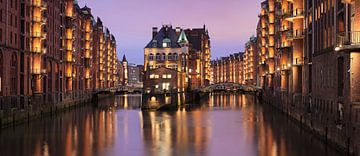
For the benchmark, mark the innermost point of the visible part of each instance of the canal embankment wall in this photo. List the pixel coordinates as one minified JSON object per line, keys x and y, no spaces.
{"x":340,"y":137}
{"x":38,"y":107}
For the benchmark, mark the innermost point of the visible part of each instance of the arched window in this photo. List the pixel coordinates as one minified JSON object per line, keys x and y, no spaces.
{"x":13,"y":74}
{"x":151,"y":56}
{"x":1,"y":71}
{"x":170,"y":56}
{"x":175,"y":56}
{"x":158,"y":57}
{"x":163,"y":56}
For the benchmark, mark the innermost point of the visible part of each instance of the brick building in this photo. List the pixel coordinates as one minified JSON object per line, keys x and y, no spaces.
{"x":308,"y":64}
{"x":165,"y":57}
{"x":50,"y":54}
{"x":251,"y":62}
{"x":199,"y":57}
{"x":184,"y":56}
{"x":229,"y":69}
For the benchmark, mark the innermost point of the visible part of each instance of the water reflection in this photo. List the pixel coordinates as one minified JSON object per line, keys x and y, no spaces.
{"x":223,"y":124}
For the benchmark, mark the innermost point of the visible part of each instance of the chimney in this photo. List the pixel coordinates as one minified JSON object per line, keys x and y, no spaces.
{"x":155,"y":31}
{"x":178,"y":31}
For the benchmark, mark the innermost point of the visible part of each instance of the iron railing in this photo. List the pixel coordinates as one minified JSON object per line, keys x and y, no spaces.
{"x":294,"y":13}
{"x":351,"y":38}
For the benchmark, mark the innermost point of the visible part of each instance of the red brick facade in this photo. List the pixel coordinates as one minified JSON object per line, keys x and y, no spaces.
{"x":48,"y":56}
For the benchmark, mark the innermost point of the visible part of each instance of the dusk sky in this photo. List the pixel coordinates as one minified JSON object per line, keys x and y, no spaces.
{"x":230,"y":22}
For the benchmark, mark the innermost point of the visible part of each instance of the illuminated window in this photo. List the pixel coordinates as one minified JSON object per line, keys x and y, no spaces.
{"x":166,"y":43}
{"x":165,"y":86}
{"x":156,"y":86}
{"x":169,"y":76}
{"x":152,"y":76}
{"x":157,"y":76}
{"x":164,"y":76}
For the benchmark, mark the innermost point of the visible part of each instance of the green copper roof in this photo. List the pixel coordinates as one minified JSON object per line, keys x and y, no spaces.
{"x":183,"y":38}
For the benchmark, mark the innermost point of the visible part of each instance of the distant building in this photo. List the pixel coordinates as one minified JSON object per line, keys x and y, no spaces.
{"x":251,"y":62}
{"x":229,"y":69}
{"x":125,"y":71}
{"x":184,"y":56}
{"x":165,"y":61}
{"x":135,"y":76}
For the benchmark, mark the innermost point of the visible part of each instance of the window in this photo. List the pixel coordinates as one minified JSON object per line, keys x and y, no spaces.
{"x":165,"y":86}
{"x":166,"y":76}
{"x":153,"y":76}
{"x":163,"y":56}
{"x":154,"y":43}
{"x":175,"y":57}
{"x":1,"y":71}
{"x":13,"y":74}
{"x":158,"y":57}
{"x":170,"y":56}
{"x":151,"y":57}
{"x":166,"y":43}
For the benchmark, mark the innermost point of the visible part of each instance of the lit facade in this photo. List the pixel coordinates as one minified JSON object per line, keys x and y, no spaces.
{"x":229,"y":69}
{"x":251,"y":62}
{"x":307,"y":64}
{"x":184,"y":56}
{"x":166,"y":61}
{"x":199,"y":57}
{"x":49,"y":54}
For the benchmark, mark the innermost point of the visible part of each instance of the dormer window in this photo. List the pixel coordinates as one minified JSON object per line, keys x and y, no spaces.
{"x":166,"y":43}
{"x":154,"y":43}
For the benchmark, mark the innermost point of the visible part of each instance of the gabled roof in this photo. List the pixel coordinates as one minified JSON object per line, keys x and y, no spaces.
{"x":168,"y":33}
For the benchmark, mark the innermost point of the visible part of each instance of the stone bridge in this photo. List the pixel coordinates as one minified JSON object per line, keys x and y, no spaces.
{"x":229,"y":86}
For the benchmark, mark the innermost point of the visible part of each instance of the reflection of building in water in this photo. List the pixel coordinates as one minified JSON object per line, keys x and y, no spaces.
{"x":157,"y":100}
{"x":128,"y":101}
{"x":82,"y":132}
{"x":175,"y":133}
{"x":230,"y":101}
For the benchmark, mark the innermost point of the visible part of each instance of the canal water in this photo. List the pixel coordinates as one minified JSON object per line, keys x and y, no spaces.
{"x":220,"y":125}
